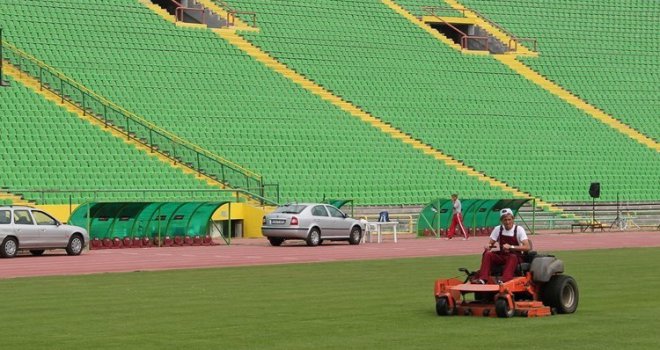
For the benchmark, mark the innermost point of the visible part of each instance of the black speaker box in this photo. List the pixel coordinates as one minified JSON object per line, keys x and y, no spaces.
{"x":594,"y":190}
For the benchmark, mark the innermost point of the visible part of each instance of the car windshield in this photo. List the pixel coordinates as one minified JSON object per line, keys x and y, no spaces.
{"x":290,"y":209}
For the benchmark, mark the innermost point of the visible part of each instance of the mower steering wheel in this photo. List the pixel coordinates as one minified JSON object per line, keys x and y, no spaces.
{"x":468,"y":273}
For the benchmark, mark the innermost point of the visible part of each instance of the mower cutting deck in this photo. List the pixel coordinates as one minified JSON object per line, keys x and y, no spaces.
{"x":540,"y":289}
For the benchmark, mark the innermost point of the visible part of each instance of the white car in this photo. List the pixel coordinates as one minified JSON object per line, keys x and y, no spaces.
{"x":311,"y":222}
{"x":27,"y":228}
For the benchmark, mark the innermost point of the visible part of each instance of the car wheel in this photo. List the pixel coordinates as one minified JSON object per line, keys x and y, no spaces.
{"x":75,"y":245}
{"x":275,"y":241}
{"x":37,"y":252}
{"x":442,"y":307}
{"x":9,"y":247}
{"x":561,"y":293}
{"x":502,"y":308}
{"x":354,"y":237}
{"x":314,"y":237}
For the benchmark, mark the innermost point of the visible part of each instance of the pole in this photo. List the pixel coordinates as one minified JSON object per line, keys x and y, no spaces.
{"x":474,"y":221}
{"x":534,"y":216}
{"x":438,"y":213}
{"x":2,"y":60}
{"x":89,"y":221}
{"x":593,"y":213}
{"x":617,"y":220}
{"x":159,"y":239}
{"x":229,"y":228}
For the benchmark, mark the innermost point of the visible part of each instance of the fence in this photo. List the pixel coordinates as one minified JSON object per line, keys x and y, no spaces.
{"x":140,"y":130}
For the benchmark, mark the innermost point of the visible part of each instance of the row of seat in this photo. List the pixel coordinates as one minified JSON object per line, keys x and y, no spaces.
{"x":76,"y":156}
{"x":628,"y":31}
{"x":413,"y":101}
{"x":321,"y":122}
{"x":427,"y":118}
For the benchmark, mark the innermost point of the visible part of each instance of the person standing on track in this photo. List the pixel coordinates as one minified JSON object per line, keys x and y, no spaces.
{"x":456,"y":219}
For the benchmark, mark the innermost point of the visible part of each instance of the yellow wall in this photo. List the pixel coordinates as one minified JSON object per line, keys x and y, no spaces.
{"x":251,"y":216}
{"x":61,"y":212}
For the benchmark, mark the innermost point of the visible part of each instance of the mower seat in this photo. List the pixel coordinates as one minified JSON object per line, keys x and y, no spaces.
{"x":525,"y":265}
{"x":527,"y":258}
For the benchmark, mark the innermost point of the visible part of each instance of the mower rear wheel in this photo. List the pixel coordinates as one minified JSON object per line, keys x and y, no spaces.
{"x":502,"y":308}
{"x":561,"y":293}
{"x":442,"y":307}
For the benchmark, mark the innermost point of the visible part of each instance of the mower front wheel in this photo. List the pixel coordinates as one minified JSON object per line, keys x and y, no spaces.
{"x":502,"y":308}
{"x":442,"y":307}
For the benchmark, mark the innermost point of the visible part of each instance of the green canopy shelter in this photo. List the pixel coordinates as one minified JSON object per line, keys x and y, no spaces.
{"x":127,"y":221}
{"x":435,"y":217}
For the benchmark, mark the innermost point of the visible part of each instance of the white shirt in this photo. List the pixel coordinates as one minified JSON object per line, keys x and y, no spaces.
{"x":457,"y":207}
{"x":495,"y":235}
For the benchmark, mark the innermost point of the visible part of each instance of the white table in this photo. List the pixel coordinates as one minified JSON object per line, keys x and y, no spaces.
{"x":378,"y":226}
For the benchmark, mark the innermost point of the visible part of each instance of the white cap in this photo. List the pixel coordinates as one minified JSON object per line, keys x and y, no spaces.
{"x":506,"y":211}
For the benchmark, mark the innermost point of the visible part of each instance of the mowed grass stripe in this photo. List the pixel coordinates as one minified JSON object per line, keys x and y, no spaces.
{"x":384,"y":304}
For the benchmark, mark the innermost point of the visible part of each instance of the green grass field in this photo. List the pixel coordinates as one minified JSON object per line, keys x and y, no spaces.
{"x":346,"y":305}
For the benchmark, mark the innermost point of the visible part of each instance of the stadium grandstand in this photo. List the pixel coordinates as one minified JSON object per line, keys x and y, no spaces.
{"x":388,"y":103}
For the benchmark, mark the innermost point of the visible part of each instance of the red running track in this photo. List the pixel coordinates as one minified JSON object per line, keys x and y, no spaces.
{"x":245,"y":252}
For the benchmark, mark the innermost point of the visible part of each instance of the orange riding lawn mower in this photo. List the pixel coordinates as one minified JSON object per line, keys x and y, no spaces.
{"x":539,"y":288}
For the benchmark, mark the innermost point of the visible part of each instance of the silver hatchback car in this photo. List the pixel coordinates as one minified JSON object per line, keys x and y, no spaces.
{"x":35,"y":230}
{"x":312,"y":222}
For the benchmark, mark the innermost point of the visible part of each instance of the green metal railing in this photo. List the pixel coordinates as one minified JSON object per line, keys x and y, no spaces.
{"x":140,"y":130}
{"x":2,"y":75}
{"x":76,"y":196}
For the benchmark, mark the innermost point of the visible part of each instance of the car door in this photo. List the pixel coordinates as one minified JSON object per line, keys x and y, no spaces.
{"x":341,"y":227}
{"x":25,"y":229}
{"x":6,"y":227}
{"x":321,"y":218}
{"x":50,"y":234}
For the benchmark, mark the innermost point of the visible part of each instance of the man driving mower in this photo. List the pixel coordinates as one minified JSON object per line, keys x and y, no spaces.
{"x":512,"y":241}
{"x":539,"y":289}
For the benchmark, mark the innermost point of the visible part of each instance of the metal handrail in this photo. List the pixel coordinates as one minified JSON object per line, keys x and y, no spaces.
{"x":513,"y":38}
{"x":180,"y":10}
{"x":464,"y":37}
{"x":517,"y":40}
{"x":432,"y":9}
{"x":231,"y":13}
{"x":2,"y":76}
{"x":41,"y":192}
{"x":134,"y":126}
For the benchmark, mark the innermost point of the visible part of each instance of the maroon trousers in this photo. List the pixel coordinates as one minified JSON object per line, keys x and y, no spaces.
{"x":456,"y":220}
{"x":509,"y":260}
